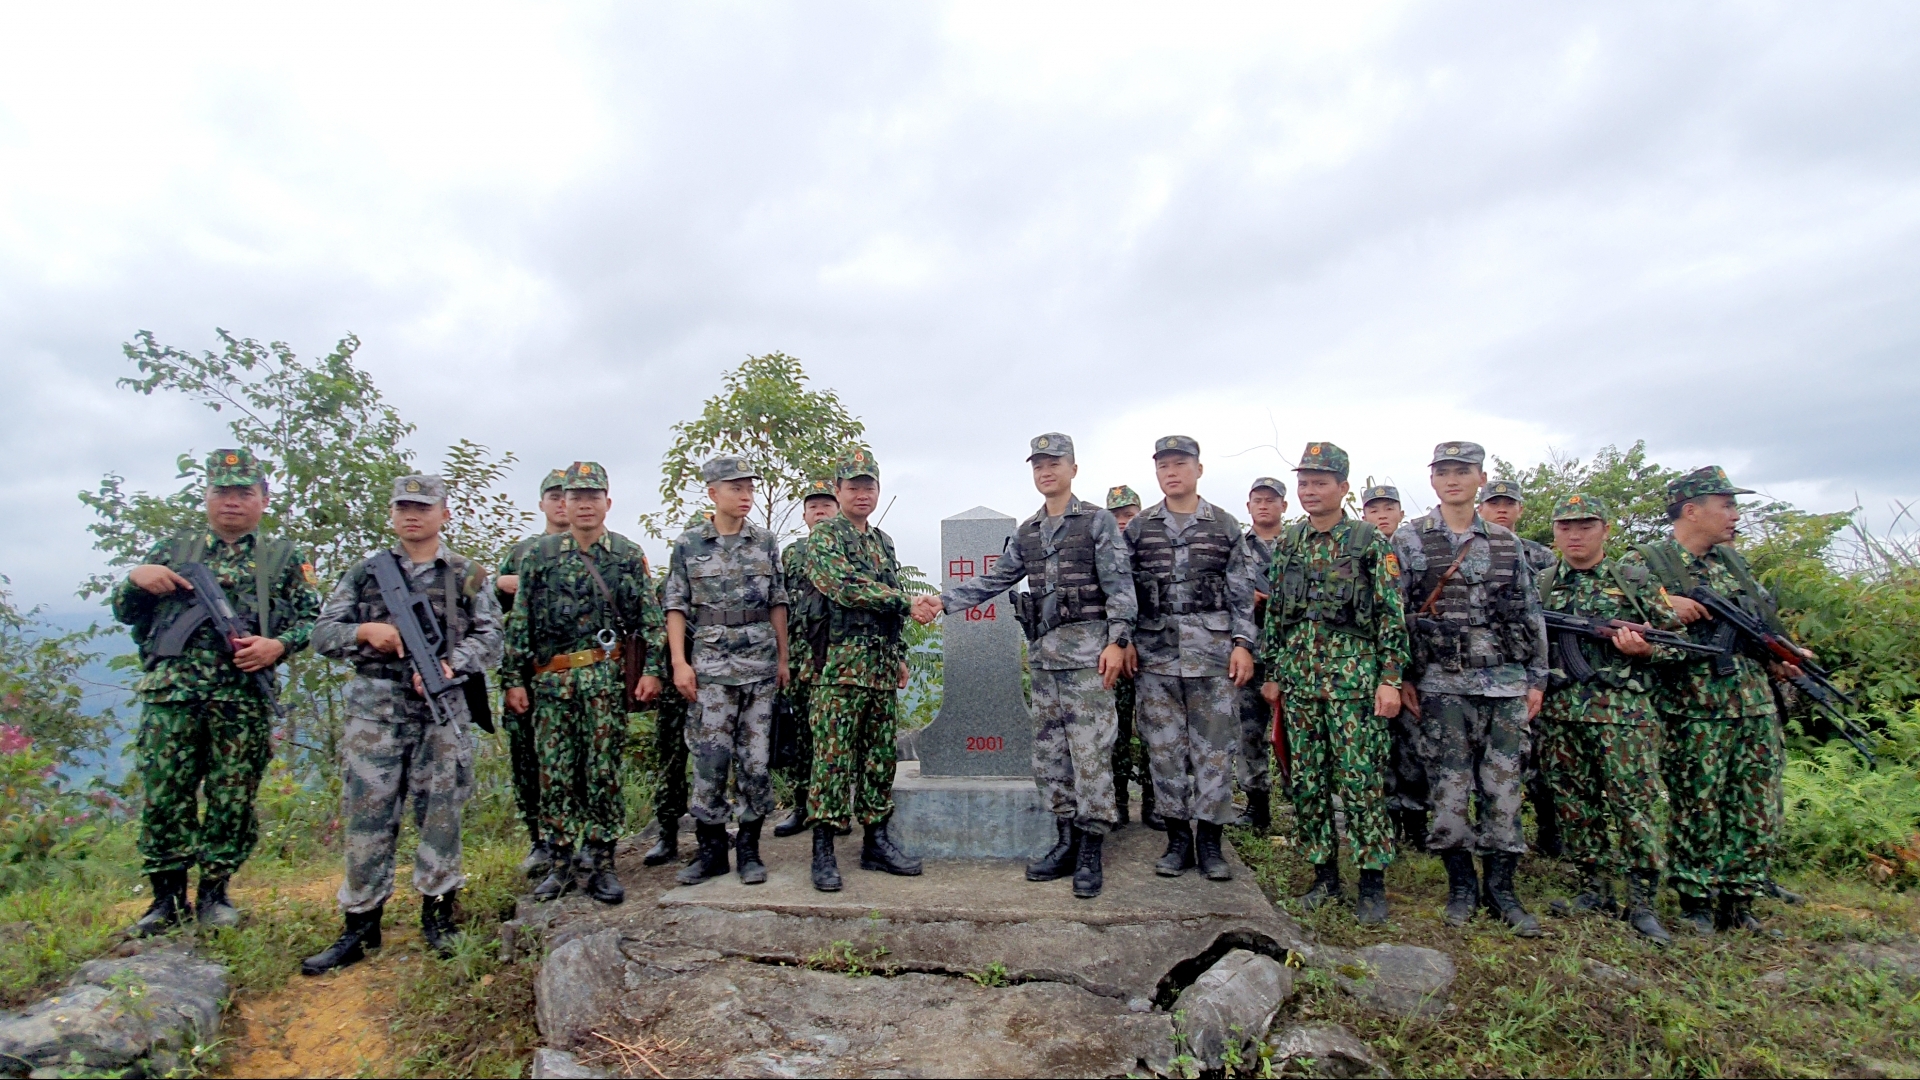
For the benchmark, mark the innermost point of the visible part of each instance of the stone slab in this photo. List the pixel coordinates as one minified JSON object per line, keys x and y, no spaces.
{"x":984,"y":727}
{"x":968,"y":817}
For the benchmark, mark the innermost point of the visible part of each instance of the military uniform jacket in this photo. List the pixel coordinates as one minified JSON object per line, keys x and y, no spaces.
{"x":1261,"y":553}
{"x":382,"y":686}
{"x":511,"y":565}
{"x":806,"y":613}
{"x":727,"y":587}
{"x":1622,"y":689}
{"x":1195,"y":644}
{"x":1690,"y":689}
{"x":202,"y":672}
{"x":1071,"y":645}
{"x":1347,"y":656}
{"x":560,"y":608}
{"x":1511,"y":679}
{"x":857,"y":572}
{"x":1536,"y":555}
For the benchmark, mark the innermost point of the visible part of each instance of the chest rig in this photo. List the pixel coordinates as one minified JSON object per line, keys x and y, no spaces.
{"x":1339,"y":594}
{"x":452,"y":609}
{"x":1443,"y":631}
{"x":1060,"y":572}
{"x":1167,"y":583}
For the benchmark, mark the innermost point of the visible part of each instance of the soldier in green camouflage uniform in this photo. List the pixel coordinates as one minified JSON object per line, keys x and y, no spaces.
{"x":522,"y":756}
{"x":1129,"y":753}
{"x":806,"y":621}
{"x":1502,"y":502}
{"x":1407,"y":777}
{"x":1266,"y":511}
{"x":726,"y":602}
{"x":1335,"y":642}
{"x":1600,"y":737}
{"x":392,"y":747}
{"x":1723,"y":742}
{"x":203,"y":723}
{"x":582,"y":594}
{"x":855,"y":710}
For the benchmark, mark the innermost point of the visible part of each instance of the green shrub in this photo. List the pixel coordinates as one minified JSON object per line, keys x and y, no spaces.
{"x":1842,"y":815}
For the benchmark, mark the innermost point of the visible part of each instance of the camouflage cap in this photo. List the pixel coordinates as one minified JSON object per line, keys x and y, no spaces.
{"x":819,"y":489}
{"x":1052,"y":444}
{"x":857,"y":463}
{"x":1175,"y":444}
{"x":727,"y":467}
{"x":419,"y":488}
{"x":1578,"y":507}
{"x":1121,"y":495}
{"x":1324,"y":457}
{"x":1503,"y":489}
{"x":1270,"y":484}
{"x":555,"y":479}
{"x":585,"y":476}
{"x":1707,"y":480}
{"x":233,"y":468}
{"x":1470,"y":452}
{"x":1378,"y":491}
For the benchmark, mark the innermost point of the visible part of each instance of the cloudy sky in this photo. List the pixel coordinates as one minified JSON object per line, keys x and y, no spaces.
{"x":1543,"y":227}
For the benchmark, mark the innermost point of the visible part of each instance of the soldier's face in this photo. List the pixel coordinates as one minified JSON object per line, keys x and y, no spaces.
{"x":732,"y":497}
{"x":1265,"y":507}
{"x":1178,"y":474}
{"x":553,"y":503}
{"x":1383,"y":514}
{"x":235,"y":509}
{"x":587,"y":508}
{"x":1717,"y":517}
{"x":858,"y":496}
{"x":1581,"y":541}
{"x":1502,"y":511}
{"x":415,"y":522}
{"x":1125,"y":514}
{"x":1320,"y":492}
{"x":1456,"y":482}
{"x":818,"y":509}
{"x":1053,"y":475}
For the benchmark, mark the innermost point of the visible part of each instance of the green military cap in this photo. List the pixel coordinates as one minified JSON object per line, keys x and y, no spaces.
{"x":1121,"y":495}
{"x":819,"y":489}
{"x":1708,"y":480}
{"x":1503,"y":489}
{"x":1578,"y":507}
{"x":857,"y":463}
{"x":1324,"y":457}
{"x":1176,"y":444}
{"x":585,"y":476}
{"x":1270,"y":484}
{"x":234,"y":468}
{"x":727,"y":467}
{"x":555,"y":479}
{"x":419,"y":488}
{"x":1378,"y":491}
{"x":1470,"y":452}
{"x":1052,"y":444}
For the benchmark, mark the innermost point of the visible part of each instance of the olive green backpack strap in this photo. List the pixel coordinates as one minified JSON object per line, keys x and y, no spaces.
{"x":1673,"y":573}
{"x":1633,"y":582}
{"x":1546,"y":579}
{"x":1360,"y":537}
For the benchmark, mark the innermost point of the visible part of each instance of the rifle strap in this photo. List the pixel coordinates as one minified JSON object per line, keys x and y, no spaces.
{"x":605,"y":592}
{"x":1452,"y":568}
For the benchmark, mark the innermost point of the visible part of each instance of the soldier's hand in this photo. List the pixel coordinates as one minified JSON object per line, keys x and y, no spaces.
{"x":926,"y":608}
{"x":253,"y":653}
{"x":508,"y":583}
{"x":1270,"y":692}
{"x":1631,"y":643}
{"x":1785,"y":671}
{"x":158,"y":580}
{"x":1113,"y":663}
{"x":1690,"y":611}
{"x":1133,"y":660}
{"x":684,"y":680}
{"x":1240,"y":666}
{"x":1410,"y":698}
{"x":1535,"y":698}
{"x":518,"y":703}
{"x":1386,"y":701}
{"x":906,"y":674}
{"x":446,"y":671}
{"x":649,"y":688}
{"x":379,"y":635}
{"x":782,"y":674}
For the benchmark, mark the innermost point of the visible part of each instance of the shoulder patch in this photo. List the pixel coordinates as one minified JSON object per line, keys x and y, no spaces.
{"x":306,"y":572}
{"x":1392,"y":563}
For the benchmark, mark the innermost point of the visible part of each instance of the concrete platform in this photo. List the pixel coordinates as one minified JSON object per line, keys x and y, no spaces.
{"x":969,"y":817}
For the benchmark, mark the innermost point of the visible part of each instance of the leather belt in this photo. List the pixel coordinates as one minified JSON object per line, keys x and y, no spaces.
{"x":583,"y":658}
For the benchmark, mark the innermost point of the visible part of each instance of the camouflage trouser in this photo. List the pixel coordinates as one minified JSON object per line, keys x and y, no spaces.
{"x":1129,"y":753}
{"x":730,"y":728}
{"x":1073,"y":734}
{"x":799,"y":698}
{"x":1474,"y":749}
{"x":1406,"y":773}
{"x":666,"y":757}
{"x":1339,"y":749}
{"x":1253,"y":769}
{"x":523,"y":756}
{"x":221,"y":747}
{"x":580,"y":720}
{"x":1605,"y":777}
{"x":853,"y":754}
{"x":383,"y":762}
{"x":1721,"y":780}
{"x":1191,"y":728}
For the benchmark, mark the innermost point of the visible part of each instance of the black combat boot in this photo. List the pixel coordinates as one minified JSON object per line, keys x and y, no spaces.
{"x":746,"y":849}
{"x":1499,"y":866}
{"x":1371,"y":908}
{"x":1213,"y":862}
{"x":539,"y":861}
{"x":1120,"y":800}
{"x":1326,"y":888}
{"x":1546,"y":827}
{"x":436,"y":923}
{"x":1260,"y":809}
{"x":1061,"y":858}
{"x":1463,"y":886}
{"x":1149,"y":816}
{"x":362,"y":933}
{"x":561,"y":879}
{"x":1736,"y":913}
{"x":1595,"y":895}
{"x":1179,"y":856}
{"x":1784,"y":895}
{"x":1412,"y":827}
{"x":213,"y":908}
{"x":1696,"y":914}
{"x":603,"y":883}
{"x":710,"y":860}
{"x":1089,"y":876}
{"x":667,"y":847}
{"x":826,"y":870}
{"x":1643,"y":886}
{"x":170,"y":905}
{"x":879,"y":852}
{"x":796,"y":822}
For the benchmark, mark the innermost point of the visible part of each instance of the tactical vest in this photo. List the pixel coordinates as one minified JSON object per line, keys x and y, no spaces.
{"x":1202,"y":588}
{"x":1061,"y":573}
{"x":1442,"y":633}
{"x":451,"y":587}
{"x":1339,"y":596}
{"x":1611,"y":667}
{"x":847,"y":625}
{"x":271,"y":559}
{"x":1669,"y":563}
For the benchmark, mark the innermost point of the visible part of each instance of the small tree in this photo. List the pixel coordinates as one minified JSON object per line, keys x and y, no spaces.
{"x":41,"y":693}
{"x":485,"y":520}
{"x":765,"y":413}
{"x":1634,"y":487}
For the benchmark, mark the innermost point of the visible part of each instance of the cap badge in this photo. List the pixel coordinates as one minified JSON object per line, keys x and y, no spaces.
{"x":1041,"y":442}
{"x":233,"y":459}
{"x":413,"y":486}
{"x":1573,"y":499}
{"x":1453,"y":449}
{"x":1314,"y":450}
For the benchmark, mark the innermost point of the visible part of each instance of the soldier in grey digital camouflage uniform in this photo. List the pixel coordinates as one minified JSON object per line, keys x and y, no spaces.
{"x":1195,"y":585}
{"x":1502,"y":502}
{"x":726,"y":603}
{"x":1080,"y":587}
{"x":1266,"y":513}
{"x":1406,"y":777}
{"x":392,"y":747}
{"x":1479,"y":674}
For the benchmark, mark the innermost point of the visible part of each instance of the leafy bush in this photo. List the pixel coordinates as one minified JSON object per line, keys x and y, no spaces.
{"x":1842,"y":815}
{"x":46,"y":830}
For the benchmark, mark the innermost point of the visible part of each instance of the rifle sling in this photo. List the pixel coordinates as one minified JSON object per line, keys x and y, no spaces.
{"x":1434,"y":596}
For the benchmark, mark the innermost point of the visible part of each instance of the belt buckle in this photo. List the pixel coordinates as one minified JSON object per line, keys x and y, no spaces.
{"x":606,"y":638}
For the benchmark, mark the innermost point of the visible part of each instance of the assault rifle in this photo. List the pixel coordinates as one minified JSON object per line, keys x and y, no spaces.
{"x":1567,"y":630}
{"x":207,"y":606}
{"x":1738,"y":630}
{"x":420,"y":635}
